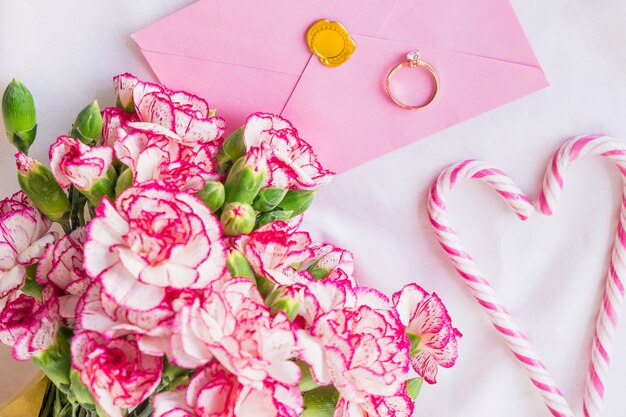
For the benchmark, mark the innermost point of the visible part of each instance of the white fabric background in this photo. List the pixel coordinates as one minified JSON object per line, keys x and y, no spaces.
{"x":550,"y":271}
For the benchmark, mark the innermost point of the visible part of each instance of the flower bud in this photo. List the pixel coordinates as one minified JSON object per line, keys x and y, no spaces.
{"x":237,"y":219}
{"x":320,"y":402}
{"x":124,"y":180}
{"x":273,"y":216}
{"x":18,"y":113}
{"x":297,"y":201}
{"x":246,"y":178}
{"x":269,"y":198}
{"x":88,"y":124}
{"x":40,"y":186}
{"x":232,"y":149}
{"x":103,"y":186}
{"x":238,"y":265}
{"x":212,"y":195}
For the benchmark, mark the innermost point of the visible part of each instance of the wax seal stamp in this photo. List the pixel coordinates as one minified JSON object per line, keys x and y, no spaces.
{"x":331,"y":42}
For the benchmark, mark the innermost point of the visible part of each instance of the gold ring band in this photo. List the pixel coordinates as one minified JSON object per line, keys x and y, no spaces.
{"x":413,"y":61}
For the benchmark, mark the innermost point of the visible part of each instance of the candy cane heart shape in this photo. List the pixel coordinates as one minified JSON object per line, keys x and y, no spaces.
{"x":610,"y":308}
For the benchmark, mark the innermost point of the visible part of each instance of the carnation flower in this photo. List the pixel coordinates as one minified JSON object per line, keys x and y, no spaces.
{"x":331,"y":263}
{"x":23,"y":239}
{"x":291,"y":160}
{"x":273,"y":249}
{"x":96,"y":311}
{"x":215,"y":392}
{"x":397,"y":405}
{"x":163,"y":157}
{"x":365,"y":351}
{"x":62,"y":266}
{"x":434,"y":340}
{"x":234,"y":325}
{"x":187,"y":115}
{"x":353,"y":339}
{"x":116,"y":372}
{"x":150,"y":242}
{"x":73,"y":162}
{"x":28,"y":325}
{"x":113,"y":118}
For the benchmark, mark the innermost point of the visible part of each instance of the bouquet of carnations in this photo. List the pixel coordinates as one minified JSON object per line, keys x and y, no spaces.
{"x":157,"y":269}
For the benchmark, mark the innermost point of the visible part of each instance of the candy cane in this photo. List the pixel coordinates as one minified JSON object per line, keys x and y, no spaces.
{"x":475,"y":279}
{"x":610,"y":309}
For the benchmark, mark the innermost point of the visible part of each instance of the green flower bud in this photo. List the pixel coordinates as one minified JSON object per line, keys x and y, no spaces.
{"x":18,"y":113}
{"x":88,"y":125}
{"x":273,"y":216}
{"x":320,"y":402}
{"x":297,"y":201}
{"x":103,"y":186}
{"x":232,"y":149}
{"x":40,"y":186}
{"x":238,"y":265}
{"x":269,"y":198}
{"x":237,"y":219}
{"x":245,"y":178}
{"x":124,"y":180}
{"x":212,"y":195}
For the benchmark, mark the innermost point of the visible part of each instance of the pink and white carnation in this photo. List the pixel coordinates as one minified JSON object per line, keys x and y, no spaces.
{"x":151,"y":242}
{"x":62,"y":266}
{"x":334,"y":263}
{"x":73,"y":162}
{"x":24,"y":235}
{"x":397,"y":405}
{"x":116,"y":372}
{"x":215,"y":392}
{"x":28,"y":325}
{"x":163,"y":157}
{"x":96,"y":311}
{"x":273,"y":249}
{"x":427,"y":321}
{"x":187,"y":115}
{"x":234,"y":326}
{"x":291,"y":160}
{"x":360,"y":347}
{"x":114,"y":118}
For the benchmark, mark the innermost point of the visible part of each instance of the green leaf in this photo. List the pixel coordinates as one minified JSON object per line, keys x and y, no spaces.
{"x":273,"y":216}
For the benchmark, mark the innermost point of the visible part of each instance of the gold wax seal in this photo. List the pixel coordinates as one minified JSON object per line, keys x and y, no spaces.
{"x":331,"y":42}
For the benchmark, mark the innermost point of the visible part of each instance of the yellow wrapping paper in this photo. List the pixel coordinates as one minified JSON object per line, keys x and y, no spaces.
{"x":28,"y":402}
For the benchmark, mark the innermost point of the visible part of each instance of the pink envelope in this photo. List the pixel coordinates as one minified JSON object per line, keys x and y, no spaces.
{"x":249,"y":56}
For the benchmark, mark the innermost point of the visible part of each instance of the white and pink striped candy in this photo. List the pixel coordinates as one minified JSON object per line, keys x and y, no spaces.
{"x":609,"y":311}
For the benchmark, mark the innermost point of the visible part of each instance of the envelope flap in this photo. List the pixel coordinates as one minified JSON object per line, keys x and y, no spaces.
{"x":487,"y":28}
{"x":269,"y":35}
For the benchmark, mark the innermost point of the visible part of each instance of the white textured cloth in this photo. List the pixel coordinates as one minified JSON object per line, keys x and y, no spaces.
{"x":549,"y":271}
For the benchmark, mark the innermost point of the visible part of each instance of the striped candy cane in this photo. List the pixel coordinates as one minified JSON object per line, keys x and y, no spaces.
{"x":476,"y":280}
{"x":611,"y":307}
{"x":608,"y":316}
